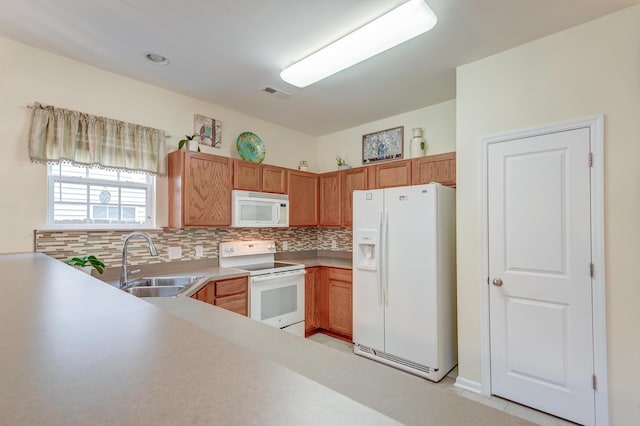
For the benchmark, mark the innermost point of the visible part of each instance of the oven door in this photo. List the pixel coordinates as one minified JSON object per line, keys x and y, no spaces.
{"x":278,"y":299}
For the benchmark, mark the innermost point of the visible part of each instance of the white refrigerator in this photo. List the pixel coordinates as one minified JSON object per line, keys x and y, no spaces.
{"x":404,"y":278}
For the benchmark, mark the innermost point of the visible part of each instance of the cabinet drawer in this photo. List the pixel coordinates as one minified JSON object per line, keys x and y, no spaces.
{"x":236,"y":303}
{"x":232,"y":286}
{"x":340,"y":274}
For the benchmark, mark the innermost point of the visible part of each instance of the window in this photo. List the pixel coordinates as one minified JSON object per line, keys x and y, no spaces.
{"x":88,"y":197}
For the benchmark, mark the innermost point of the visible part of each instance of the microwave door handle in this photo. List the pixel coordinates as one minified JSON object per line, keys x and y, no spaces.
{"x":277,"y":212}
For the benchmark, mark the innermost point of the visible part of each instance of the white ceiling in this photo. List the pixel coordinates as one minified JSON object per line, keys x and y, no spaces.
{"x":225,"y":51}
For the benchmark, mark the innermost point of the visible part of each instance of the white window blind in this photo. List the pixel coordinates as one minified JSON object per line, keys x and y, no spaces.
{"x":88,"y":197}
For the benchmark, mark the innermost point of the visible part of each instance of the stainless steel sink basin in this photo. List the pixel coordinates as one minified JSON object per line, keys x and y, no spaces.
{"x":160,"y":286}
{"x":164,"y":281}
{"x":166,"y":291}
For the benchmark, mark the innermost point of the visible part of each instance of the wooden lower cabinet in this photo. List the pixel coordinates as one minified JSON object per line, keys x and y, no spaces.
{"x":335,"y":302}
{"x":230,"y":294}
{"x":311,"y":291}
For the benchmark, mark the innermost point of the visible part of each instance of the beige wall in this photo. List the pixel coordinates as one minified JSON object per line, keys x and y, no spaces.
{"x":587,"y":70}
{"x":438,"y":122}
{"x":28,"y":74}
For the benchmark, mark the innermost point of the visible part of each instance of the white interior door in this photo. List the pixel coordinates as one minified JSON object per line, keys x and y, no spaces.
{"x":540,"y":297}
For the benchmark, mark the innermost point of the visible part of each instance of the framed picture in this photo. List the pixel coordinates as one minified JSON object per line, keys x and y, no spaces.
{"x":383,"y":145}
{"x":209,"y":130}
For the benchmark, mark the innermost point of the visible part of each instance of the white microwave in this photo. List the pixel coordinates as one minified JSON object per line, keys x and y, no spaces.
{"x":259,"y":209}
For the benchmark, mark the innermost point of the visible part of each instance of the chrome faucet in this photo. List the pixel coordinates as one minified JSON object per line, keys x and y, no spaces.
{"x":152,"y":251}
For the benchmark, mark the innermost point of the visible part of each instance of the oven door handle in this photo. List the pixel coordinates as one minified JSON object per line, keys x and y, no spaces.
{"x":268,"y":277}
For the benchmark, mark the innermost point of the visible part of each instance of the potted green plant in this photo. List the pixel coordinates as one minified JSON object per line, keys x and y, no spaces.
{"x":342,"y":163}
{"x":85,"y":263}
{"x":190,"y":142}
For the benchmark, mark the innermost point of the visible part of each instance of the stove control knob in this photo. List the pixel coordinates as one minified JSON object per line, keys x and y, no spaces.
{"x":272,"y":248}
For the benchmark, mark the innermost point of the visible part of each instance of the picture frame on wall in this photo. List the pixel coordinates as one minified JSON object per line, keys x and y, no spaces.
{"x":384,"y":145}
{"x":209,"y":130}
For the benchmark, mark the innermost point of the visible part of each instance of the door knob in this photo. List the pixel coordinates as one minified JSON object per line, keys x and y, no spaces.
{"x":497,"y":282}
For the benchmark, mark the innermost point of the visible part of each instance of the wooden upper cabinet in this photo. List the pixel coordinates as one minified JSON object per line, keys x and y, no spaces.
{"x":274,"y":179}
{"x":330,"y":198}
{"x":199,"y":190}
{"x":351,"y":180}
{"x":387,"y":175}
{"x":246,"y":175}
{"x":251,"y":176}
{"x":303,"y":198}
{"x":439,"y":168}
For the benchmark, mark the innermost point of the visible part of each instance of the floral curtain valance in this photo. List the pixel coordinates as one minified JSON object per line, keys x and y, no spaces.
{"x":58,"y":134}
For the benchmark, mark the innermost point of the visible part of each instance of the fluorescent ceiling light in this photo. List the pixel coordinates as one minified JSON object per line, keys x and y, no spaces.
{"x":397,"y":26}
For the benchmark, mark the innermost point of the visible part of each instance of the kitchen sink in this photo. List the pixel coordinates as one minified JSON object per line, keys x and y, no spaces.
{"x":166,"y":291}
{"x":160,"y":286}
{"x":163,"y":281}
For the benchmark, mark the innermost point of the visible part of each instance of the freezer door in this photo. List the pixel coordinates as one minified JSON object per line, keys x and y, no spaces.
{"x":368,"y":304}
{"x":410,"y":282}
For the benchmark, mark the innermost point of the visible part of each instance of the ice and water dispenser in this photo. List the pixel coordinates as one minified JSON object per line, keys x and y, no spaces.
{"x":367,"y":249}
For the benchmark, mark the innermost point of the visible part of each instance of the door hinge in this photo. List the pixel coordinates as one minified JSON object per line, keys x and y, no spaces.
{"x":594,"y":382}
{"x":487,"y":280}
{"x":591,"y":267}
{"x":591,"y":159}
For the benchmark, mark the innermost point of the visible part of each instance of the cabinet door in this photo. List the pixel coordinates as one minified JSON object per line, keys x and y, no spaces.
{"x":394,"y":173}
{"x":274,"y":179}
{"x":207,"y":190}
{"x":246,"y":175}
{"x":303,"y":198}
{"x":351,"y":180}
{"x":236,"y":303}
{"x":329,"y":199}
{"x":439,"y":168}
{"x":335,"y":310}
{"x":310,"y":300}
{"x":232,"y":294}
{"x":340,"y":302}
{"x":206,"y":293}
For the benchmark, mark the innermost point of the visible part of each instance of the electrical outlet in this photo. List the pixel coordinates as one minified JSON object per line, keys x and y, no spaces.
{"x":285,"y":245}
{"x":199,"y":251}
{"x":175,"y":253}
{"x":334,"y":244}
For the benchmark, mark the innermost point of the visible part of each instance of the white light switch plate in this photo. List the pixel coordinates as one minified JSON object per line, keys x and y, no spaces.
{"x":285,"y":245}
{"x":175,"y":253}
{"x":199,"y":251}
{"x":334,"y":244}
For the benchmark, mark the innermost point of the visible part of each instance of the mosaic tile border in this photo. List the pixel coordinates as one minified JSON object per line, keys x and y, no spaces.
{"x":107,"y":245}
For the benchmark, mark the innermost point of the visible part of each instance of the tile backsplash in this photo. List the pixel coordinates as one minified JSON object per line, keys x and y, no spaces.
{"x":107,"y":245}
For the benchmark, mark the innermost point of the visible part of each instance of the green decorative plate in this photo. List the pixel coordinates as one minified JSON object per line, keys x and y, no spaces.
{"x":250,"y":147}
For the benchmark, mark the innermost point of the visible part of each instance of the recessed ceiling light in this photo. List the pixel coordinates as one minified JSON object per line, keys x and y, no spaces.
{"x":157,"y":59}
{"x":397,"y":26}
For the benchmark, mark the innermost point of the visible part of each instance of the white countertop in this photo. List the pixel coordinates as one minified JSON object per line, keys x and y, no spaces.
{"x":77,"y":351}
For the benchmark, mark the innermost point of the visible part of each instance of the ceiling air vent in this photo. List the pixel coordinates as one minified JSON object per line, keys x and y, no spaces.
{"x":281,"y":94}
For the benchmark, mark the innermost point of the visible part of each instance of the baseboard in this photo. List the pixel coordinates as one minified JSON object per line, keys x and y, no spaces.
{"x":345,"y":337}
{"x":469,"y":385}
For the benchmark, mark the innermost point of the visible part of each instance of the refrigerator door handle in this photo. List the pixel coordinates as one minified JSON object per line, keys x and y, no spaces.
{"x":385,"y":257}
{"x":380,"y":255}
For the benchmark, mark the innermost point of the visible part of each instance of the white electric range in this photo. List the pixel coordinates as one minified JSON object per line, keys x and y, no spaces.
{"x":276,"y":289}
